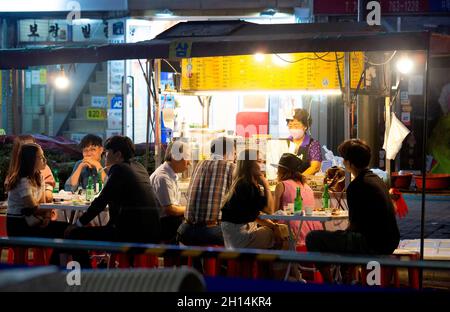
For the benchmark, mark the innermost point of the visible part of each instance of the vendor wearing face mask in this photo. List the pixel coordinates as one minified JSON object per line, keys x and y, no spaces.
{"x":301,"y":143}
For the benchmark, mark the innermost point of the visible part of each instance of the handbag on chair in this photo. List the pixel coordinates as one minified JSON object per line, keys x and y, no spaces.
{"x":335,"y":178}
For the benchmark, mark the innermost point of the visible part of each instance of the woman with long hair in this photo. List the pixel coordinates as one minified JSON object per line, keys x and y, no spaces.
{"x":25,"y":187}
{"x":46,"y":173}
{"x":244,"y":203}
{"x":289,"y":175}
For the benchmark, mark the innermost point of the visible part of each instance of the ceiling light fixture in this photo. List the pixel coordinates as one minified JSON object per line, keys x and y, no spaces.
{"x":164,"y":13}
{"x":268,"y":12}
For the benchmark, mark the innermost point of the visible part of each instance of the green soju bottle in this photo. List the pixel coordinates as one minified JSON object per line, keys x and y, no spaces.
{"x":55,"y":175}
{"x":326,"y":199}
{"x":99,"y":184}
{"x":90,"y":189}
{"x":298,"y":203}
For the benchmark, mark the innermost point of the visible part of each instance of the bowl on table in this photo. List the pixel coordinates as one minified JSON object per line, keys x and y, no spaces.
{"x":401,"y":180}
{"x":434,"y":181}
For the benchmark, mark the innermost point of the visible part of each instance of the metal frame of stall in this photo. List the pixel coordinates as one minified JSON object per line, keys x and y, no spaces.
{"x":226,"y":38}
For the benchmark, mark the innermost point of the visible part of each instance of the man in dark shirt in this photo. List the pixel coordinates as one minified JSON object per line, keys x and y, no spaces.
{"x":373,"y":228}
{"x":133,"y":208}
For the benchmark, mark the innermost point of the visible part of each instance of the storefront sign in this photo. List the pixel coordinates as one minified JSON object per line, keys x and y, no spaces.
{"x":116,"y":102}
{"x":388,"y":7}
{"x":116,"y":70}
{"x":95,"y":114}
{"x":99,"y":101}
{"x":27,"y":79}
{"x":43,"y":76}
{"x":43,"y":30}
{"x":295,"y":71}
{"x":35,"y":77}
{"x":180,"y":49}
{"x":81,"y":30}
{"x":404,"y":96}
{"x":406,"y":118}
{"x":114,"y":119}
{"x":406,"y":108}
{"x":415,"y":85}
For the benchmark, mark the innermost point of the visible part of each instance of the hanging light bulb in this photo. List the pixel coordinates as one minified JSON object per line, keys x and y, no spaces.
{"x":61,"y":81}
{"x":405,"y":65}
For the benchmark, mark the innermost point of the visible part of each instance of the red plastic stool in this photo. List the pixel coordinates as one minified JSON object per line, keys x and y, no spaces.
{"x":245,"y":268}
{"x":120,"y":260}
{"x":39,"y":256}
{"x":3,"y":232}
{"x":413,"y":273}
{"x":145,"y":261}
{"x":390,"y":274}
{"x":309,"y":271}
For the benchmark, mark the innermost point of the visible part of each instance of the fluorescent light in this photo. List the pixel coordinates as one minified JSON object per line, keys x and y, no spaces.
{"x":405,"y":65}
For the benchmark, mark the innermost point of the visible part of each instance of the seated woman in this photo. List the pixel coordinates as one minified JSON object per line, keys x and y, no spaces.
{"x":301,"y":143}
{"x":244,"y":203}
{"x":290,"y":168}
{"x":25,"y":188}
{"x":46,"y":173}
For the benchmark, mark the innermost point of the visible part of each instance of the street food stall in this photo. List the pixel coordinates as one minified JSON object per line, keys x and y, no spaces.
{"x":352,"y":60}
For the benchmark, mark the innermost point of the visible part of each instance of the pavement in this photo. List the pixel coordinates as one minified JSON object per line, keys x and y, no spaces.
{"x":437,"y":226}
{"x":437,"y":217}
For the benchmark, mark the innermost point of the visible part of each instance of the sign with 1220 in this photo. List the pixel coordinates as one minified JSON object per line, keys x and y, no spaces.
{"x":96,"y":114}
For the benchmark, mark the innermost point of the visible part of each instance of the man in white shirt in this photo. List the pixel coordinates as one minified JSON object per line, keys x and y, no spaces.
{"x":164,"y":183}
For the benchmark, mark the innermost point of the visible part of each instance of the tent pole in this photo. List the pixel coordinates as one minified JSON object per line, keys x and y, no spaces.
{"x":347,"y":100}
{"x":149,"y":111}
{"x":424,"y":146}
{"x":347,"y":96}
{"x":156,"y":88}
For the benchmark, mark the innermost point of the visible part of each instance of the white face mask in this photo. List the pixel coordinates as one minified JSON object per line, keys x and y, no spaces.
{"x":297,"y":133}
{"x":262,"y":167}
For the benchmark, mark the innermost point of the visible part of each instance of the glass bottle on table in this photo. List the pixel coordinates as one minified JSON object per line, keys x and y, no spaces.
{"x":55,"y":175}
{"x":326,"y":199}
{"x":99,"y":184}
{"x":90,"y":189}
{"x":298,"y":202}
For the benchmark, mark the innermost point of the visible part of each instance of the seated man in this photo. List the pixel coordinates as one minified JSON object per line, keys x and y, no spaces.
{"x":165,"y":185}
{"x":89,"y":166}
{"x":372,"y":225}
{"x":133,"y":208}
{"x":210,"y":182}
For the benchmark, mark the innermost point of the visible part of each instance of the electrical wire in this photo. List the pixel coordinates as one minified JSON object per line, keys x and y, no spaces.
{"x":296,"y":61}
{"x":318,"y":57}
{"x":321,"y":57}
{"x":168,"y":63}
{"x":383,"y":63}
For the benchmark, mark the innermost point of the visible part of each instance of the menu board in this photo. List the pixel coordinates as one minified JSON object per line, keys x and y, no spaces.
{"x":294,"y":71}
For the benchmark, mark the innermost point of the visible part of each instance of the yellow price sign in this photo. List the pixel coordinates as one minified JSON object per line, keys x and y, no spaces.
{"x":96,"y":114}
{"x":294,"y":71}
